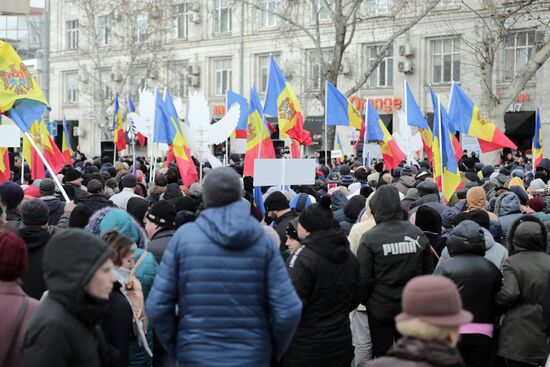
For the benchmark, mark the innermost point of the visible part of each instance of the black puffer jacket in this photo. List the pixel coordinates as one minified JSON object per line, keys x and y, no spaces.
{"x":36,"y":238}
{"x":96,"y":202}
{"x":339,"y":201}
{"x":56,"y":209}
{"x":390,"y":254}
{"x":159,"y":242}
{"x":525,"y":272}
{"x":64,"y":331}
{"x":325,"y":274}
{"x":477,"y":278}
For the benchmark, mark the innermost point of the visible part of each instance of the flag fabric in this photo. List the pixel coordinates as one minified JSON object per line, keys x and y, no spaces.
{"x":457,"y":146}
{"x":537,"y":141}
{"x":51,"y":152}
{"x":36,"y":166}
{"x":295,"y":149}
{"x":339,"y":110}
{"x":465,"y":118}
{"x":377,"y":131}
{"x":258,"y":200}
{"x":230,"y":99}
{"x":416,"y":118}
{"x":118,"y":128}
{"x":339,"y":147}
{"x":5,"y":173}
{"x":139,"y":136}
{"x":258,"y":139}
{"x":21,"y":98}
{"x":281,"y":101}
{"x":179,"y":147}
{"x":66,"y":146}
{"x":445,"y":166}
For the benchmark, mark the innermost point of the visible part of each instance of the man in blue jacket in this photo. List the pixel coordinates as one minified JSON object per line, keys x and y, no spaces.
{"x":222,"y":295}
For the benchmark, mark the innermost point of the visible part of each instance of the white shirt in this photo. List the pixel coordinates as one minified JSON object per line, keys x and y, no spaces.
{"x":121,"y":199}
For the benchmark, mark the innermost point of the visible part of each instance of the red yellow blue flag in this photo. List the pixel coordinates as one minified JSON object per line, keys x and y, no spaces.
{"x":416,"y":118}
{"x":66,"y":146}
{"x":118,"y":128}
{"x":376,"y":131}
{"x":340,"y":111}
{"x":537,"y":141}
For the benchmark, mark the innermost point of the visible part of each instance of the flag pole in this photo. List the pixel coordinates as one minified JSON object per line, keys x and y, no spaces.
{"x":326,"y":128}
{"x":52,"y":173}
{"x":22,"y":168}
{"x":440,"y":142}
{"x":366,"y":155}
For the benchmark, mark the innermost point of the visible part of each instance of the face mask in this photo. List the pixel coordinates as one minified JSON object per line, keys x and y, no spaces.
{"x":122,"y":274}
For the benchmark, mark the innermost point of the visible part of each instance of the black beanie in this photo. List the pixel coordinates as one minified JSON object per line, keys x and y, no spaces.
{"x":80,"y":216}
{"x":481,"y":217}
{"x":162,"y":214}
{"x":35,"y":212}
{"x":317,"y":217}
{"x":276,"y":201}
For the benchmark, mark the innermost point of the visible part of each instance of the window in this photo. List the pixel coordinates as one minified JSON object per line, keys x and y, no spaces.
{"x":263,"y":71}
{"x":448,"y":2}
{"x":104,"y":26}
{"x":268,"y":18}
{"x":379,"y":7}
{"x":222,"y":72}
{"x":23,"y":33}
{"x":518,"y":48}
{"x":445,"y":60}
{"x":72,"y":34}
{"x":178,"y":78}
{"x":71,"y":87}
{"x":105,"y":84}
{"x":316,"y":72}
{"x":141,"y":25}
{"x":383,"y":75}
{"x":181,"y":23}
{"x":320,"y":10}
{"x":222,"y":16}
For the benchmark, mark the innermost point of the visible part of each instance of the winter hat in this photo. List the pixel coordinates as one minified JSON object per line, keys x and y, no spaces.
{"x":344,"y":170}
{"x":47,"y":187}
{"x":300,"y":202}
{"x":353,"y":207}
{"x":317,"y":217}
{"x":536,"y":204}
{"x":427,"y":187}
{"x":35,"y":212}
{"x":412,"y":193}
{"x":11,"y":193}
{"x":185,"y":203}
{"x":129,"y":181}
{"x":518,"y":172}
{"x":72,"y":174}
{"x":422,"y":175}
{"x":366,"y":191}
{"x":137,"y":207}
{"x":537,"y":185}
{"x":161,"y":180}
{"x":501,"y":179}
{"x":221,"y":186}
{"x":373,"y":177}
{"x":13,"y":257}
{"x":504,"y":171}
{"x":448,"y":216}
{"x":486,"y":171}
{"x":428,"y":219}
{"x":195,"y":189}
{"x":346,"y":180}
{"x":434,"y":300}
{"x":80,"y":216}
{"x":94,"y":187}
{"x":472,"y":177}
{"x":184,"y":216}
{"x":32,"y":192}
{"x":406,"y":171}
{"x":354,"y":187}
{"x":120,"y":221}
{"x":292,"y":229}
{"x":480,"y":216}
{"x":396,"y":172}
{"x":276,"y":201}
{"x":162,"y":214}
{"x":333,"y":177}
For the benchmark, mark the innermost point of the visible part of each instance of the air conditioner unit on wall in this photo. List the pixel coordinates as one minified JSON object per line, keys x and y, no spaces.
{"x":195,"y":18}
{"x":193,"y":69}
{"x":406,"y":67}
{"x":406,"y":50}
{"x":194,"y":81}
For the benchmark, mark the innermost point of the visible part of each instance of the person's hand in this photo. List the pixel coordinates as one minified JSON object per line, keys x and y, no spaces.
{"x":70,"y":206}
{"x":525,"y":209}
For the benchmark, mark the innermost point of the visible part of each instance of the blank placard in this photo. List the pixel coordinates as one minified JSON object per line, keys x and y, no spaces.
{"x":276,"y":172}
{"x":10,"y":136}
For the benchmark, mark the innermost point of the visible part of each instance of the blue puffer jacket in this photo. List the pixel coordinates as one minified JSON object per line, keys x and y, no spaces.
{"x":235,"y":302}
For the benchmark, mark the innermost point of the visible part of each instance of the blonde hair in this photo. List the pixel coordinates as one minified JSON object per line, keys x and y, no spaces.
{"x":419,"y":329}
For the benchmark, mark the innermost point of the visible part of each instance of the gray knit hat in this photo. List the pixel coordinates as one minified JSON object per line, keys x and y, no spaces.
{"x":35,"y":212}
{"x":221,"y":186}
{"x":47,"y":187}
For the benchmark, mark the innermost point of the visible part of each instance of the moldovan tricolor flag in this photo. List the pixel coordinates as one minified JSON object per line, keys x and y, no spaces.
{"x":66,"y":146}
{"x":139,"y":136}
{"x":457,"y":146}
{"x":465,"y":118}
{"x":377,"y":131}
{"x":5,"y":173}
{"x":36,"y":166}
{"x":537,"y":142}
{"x":340,"y":111}
{"x":50,"y":150}
{"x":230,"y":99}
{"x":258,"y":140}
{"x":118,"y":128}
{"x":445,"y":165}
{"x":416,"y":118}
{"x":281,"y":101}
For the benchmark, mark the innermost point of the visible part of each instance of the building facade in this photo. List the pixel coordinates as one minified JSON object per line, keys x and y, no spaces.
{"x":215,"y":45}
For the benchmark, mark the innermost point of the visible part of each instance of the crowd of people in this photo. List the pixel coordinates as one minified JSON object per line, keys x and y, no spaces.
{"x":366,"y":267}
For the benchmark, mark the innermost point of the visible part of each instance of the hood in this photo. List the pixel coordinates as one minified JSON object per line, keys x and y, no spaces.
{"x":69,"y":269}
{"x":119,"y":220}
{"x":466,"y":238}
{"x":34,"y":237}
{"x":488,"y":238}
{"x":407,"y":181}
{"x":339,"y":200}
{"x":427,"y":187}
{"x":428,"y":219}
{"x":476,"y":198}
{"x":332,"y":244}
{"x":230,"y":226}
{"x":528,"y":233}
{"x":353,"y":207}
{"x":507,"y":203}
{"x":385,"y":204}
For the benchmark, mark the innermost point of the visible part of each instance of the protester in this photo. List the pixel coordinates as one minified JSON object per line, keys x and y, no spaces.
{"x":63,"y":331}
{"x":129,"y":183}
{"x":96,"y":199}
{"x":429,"y":195}
{"x":55,"y":206}
{"x":429,"y":221}
{"x":508,"y":209}
{"x":352,"y":209}
{"x":158,"y":188}
{"x":390,"y":254}
{"x":137,"y":207}
{"x":323,"y":270}
{"x":478,"y":281}
{"x":73,"y":178}
{"x":406,"y":180}
{"x":17,"y":307}
{"x":293,"y":241}
{"x":430,"y":321}
{"x":159,"y":225}
{"x":80,"y":216}
{"x":278,"y":209}
{"x":366,"y":222}
{"x":12,"y":196}
{"x":522,"y":337}
{"x":201,"y":263}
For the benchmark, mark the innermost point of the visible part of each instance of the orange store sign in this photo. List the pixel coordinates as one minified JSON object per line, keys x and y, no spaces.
{"x":386,"y":104}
